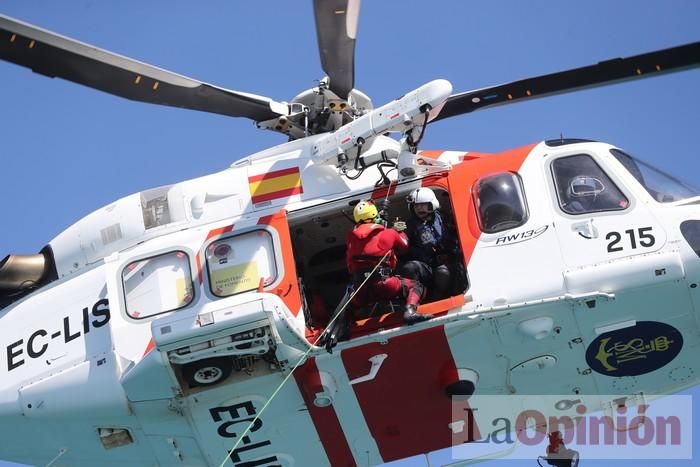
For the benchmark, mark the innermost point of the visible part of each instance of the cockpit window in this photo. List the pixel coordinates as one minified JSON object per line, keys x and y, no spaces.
{"x":662,"y":187}
{"x":583,"y":187}
{"x":157,"y":285}
{"x":500,"y":202}
{"x":241,"y":263}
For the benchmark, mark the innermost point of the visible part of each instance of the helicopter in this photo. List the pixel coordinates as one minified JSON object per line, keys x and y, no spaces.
{"x":100,"y":309}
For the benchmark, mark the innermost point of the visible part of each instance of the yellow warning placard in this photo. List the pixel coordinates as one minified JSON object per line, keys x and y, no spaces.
{"x":183,"y":292}
{"x":235,"y":279}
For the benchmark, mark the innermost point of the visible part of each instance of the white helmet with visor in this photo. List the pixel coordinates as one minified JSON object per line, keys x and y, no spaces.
{"x":423,"y":195}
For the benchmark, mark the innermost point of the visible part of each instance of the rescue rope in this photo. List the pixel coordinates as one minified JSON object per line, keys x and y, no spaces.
{"x":61,"y":452}
{"x":302,"y":359}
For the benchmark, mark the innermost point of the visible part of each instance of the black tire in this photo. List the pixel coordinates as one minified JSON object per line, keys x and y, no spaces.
{"x":207,"y":372}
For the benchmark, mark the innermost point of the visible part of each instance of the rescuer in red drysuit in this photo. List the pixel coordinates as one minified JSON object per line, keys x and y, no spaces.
{"x":366,"y":244}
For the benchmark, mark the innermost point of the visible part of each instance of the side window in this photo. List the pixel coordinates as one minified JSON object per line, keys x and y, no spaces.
{"x":583,"y":187}
{"x":157,"y":285}
{"x":239,"y":264}
{"x":500,"y":202}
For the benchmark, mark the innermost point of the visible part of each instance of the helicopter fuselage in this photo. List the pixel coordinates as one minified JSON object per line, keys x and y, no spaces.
{"x":179,"y":313}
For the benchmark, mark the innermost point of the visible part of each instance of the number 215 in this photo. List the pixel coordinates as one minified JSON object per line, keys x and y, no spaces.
{"x":642,"y":236}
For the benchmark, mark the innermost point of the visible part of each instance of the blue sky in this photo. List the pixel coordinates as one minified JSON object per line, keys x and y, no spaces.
{"x":66,"y":150}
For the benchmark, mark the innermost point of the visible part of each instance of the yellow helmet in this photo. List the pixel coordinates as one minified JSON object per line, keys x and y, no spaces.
{"x":364,"y":211}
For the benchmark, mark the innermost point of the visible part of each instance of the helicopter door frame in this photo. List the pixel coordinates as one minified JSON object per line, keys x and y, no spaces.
{"x":441,"y":187}
{"x":287,"y":287}
{"x":601,"y":232}
{"x":514,"y":263}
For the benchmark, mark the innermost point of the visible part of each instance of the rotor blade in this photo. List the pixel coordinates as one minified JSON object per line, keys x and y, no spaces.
{"x":336,"y":28}
{"x":604,"y":73}
{"x":57,"y":56}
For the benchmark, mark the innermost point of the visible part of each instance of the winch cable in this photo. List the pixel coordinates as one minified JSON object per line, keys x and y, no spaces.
{"x":388,"y":189}
{"x":302,"y":359}
{"x":384,"y":202}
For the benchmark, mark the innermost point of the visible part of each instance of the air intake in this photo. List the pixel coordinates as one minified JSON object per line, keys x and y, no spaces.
{"x":20,"y":272}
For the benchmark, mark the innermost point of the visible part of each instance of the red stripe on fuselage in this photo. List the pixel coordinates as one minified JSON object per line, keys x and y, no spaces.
{"x":274,"y":174}
{"x":328,"y":427}
{"x":405,"y":405}
{"x":382,"y":191}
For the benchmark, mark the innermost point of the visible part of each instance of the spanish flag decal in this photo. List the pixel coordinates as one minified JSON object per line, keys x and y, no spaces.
{"x":276,"y":184}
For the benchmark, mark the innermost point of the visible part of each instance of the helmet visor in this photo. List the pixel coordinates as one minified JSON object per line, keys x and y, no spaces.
{"x":584,"y":185}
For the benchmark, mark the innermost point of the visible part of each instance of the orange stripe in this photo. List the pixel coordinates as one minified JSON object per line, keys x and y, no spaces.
{"x":461,"y":181}
{"x":441,"y":307}
{"x":277,"y":194}
{"x":436,"y":181}
{"x":265,"y":220}
{"x":276,"y":173}
{"x":151,"y":345}
{"x":288,"y":288}
{"x":362,"y":327}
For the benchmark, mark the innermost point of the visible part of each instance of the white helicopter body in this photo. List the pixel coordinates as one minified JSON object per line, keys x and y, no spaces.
{"x":87,"y":362}
{"x":183,"y":325}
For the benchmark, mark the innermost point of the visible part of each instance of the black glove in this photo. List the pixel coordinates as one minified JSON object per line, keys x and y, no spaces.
{"x":330,"y":341}
{"x":383,"y":204}
{"x":339,"y":331}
